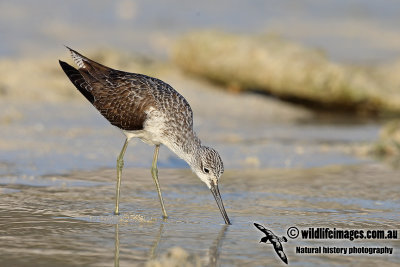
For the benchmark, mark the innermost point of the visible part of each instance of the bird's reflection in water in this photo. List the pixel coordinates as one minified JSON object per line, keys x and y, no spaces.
{"x":116,"y":250}
{"x":213,"y":252}
{"x":153,"y":249}
{"x":215,"y":249}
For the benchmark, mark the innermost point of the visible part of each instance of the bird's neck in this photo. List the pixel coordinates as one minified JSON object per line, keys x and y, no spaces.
{"x":186,"y":148}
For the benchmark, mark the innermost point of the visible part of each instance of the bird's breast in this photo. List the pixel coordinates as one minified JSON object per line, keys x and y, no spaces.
{"x":153,"y":128}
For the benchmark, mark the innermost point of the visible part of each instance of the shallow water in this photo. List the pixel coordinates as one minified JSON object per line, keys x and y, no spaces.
{"x":57,"y":187}
{"x":68,"y":221}
{"x":58,"y":138}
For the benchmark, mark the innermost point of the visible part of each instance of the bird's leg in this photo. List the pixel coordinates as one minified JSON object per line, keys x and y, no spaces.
{"x":120,"y":165}
{"x":154,"y":173}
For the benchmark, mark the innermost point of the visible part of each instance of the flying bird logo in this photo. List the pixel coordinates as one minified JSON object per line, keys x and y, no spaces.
{"x":274,"y":240}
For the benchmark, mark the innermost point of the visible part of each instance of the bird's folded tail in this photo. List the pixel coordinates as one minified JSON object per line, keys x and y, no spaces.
{"x":86,"y":65}
{"x":78,"y":58}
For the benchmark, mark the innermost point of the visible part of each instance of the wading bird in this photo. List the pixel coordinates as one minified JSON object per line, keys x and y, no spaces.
{"x":151,"y":110}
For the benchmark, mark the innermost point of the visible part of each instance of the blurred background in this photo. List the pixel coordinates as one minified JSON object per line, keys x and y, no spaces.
{"x":297,"y":87}
{"x":351,"y":31}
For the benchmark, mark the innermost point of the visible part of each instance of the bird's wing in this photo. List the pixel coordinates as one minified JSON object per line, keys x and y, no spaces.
{"x":121,"y":97}
{"x":279,"y":250}
{"x":77,"y":79}
{"x":260,"y":227}
{"x":263,"y":229}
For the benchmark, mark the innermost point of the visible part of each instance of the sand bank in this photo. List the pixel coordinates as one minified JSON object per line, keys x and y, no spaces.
{"x":289,"y":71}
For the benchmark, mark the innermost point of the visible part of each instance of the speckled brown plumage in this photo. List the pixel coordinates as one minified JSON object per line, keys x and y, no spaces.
{"x":123,"y":97}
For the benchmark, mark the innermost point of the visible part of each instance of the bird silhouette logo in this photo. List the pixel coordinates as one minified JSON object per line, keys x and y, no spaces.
{"x":274,"y":240}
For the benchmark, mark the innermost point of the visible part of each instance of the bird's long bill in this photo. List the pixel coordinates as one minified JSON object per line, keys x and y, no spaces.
{"x":215,"y":191}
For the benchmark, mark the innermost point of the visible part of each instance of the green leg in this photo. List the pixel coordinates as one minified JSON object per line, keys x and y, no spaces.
{"x":154,"y":173}
{"x":120,"y":165}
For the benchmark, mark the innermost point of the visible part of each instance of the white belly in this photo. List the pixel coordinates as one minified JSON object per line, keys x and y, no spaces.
{"x":153,"y":129}
{"x":145,"y":136}
{"x":154,"y":133}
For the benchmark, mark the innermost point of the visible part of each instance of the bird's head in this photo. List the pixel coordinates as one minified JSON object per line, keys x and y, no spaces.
{"x":209,"y":167}
{"x":264,"y":239}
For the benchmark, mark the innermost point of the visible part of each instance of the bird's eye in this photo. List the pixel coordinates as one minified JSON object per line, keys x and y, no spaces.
{"x":206,"y":170}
